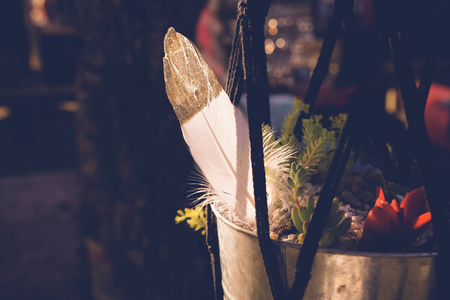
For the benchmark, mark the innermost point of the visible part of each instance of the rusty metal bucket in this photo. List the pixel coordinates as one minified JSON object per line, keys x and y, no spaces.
{"x":336,"y":275}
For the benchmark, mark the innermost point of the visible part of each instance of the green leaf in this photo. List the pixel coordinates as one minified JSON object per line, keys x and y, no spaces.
{"x":326,"y":240}
{"x":304,"y":215}
{"x":301,"y":238}
{"x":298,"y":191}
{"x":305,"y":226}
{"x":295,"y":215}
{"x":318,"y":143}
{"x":291,"y":183}
{"x":290,"y":120}
{"x":310,"y":205}
{"x":342,"y":227}
{"x":338,"y":122}
{"x":194,"y":217}
{"x":335,"y":205}
{"x":334,"y":219}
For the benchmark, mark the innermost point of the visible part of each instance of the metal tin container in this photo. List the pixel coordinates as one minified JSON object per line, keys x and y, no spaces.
{"x":336,"y":275}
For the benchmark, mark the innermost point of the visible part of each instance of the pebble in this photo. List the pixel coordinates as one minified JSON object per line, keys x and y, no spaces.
{"x":357,"y":215}
{"x":290,"y":238}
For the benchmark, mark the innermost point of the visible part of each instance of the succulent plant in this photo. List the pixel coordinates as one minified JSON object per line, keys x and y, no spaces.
{"x":299,"y":175}
{"x":336,"y":225}
{"x":389,"y":226}
{"x":361,"y":189}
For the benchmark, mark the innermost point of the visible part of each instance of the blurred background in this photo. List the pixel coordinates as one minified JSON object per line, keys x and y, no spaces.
{"x":93,"y":166}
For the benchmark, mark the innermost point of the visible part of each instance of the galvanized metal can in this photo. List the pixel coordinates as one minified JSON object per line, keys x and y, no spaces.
{"x":336,"y":275}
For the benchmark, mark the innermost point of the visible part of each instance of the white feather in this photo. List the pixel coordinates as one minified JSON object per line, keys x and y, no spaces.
{"x":216,"y":133}
{"x":277,"y":160}
{"x":218,"y":141}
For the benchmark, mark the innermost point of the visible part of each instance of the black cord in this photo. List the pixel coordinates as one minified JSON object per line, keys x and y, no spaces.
{"x":414,"y":109}
{"x":254,"y":66}
{"x":248,"y":66}
{"x":343,"y":12}
{"x":212,"y":242}
{"x":321,"y":213}
{"x":235,"y":70}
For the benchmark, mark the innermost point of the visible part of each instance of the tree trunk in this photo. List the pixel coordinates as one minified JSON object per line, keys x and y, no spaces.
{"x":129,"y":145}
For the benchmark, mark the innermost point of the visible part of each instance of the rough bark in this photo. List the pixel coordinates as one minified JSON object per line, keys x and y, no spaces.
{"x":133,"y":161}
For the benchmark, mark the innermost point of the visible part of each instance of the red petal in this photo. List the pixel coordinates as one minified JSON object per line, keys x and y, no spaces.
{"x":395,"y":206}
{"x":391,"y":213}
{"x":414,"y":205}
{"x":421,"y":222}
{"x":380,"y":194}
{"x":377,"y":223}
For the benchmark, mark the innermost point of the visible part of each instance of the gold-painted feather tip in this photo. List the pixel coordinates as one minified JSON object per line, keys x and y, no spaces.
{"x":190,"y":82}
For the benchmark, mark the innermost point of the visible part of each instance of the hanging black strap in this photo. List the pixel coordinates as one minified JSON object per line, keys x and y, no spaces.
{"x":321,"y":213}
{"x":431,"y":57}
{"x":235,"y":77}
{"x":343,"y":12}
{"x":248,"y":36}
{"x":414,"y":109}
{"x":248,"y":65}
{"x":233,"y":88}
{"x":212,"y":242}
{"x":415,"y":102}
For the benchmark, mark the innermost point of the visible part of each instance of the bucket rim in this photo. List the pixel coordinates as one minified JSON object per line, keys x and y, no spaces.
{"x":321,"y":249}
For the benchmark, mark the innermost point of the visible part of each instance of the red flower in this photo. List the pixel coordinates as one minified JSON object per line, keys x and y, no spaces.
{"x":389,"y":226}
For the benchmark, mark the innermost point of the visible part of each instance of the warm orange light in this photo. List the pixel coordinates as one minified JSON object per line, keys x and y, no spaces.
{"x":280,"y":43}
{"x":272,"y":23}
{"x":4,"y":112}
{"x":38,"y":14}
{"x":391,"y":101}
{"x":273,"y":30}
{"x":269,"y":48}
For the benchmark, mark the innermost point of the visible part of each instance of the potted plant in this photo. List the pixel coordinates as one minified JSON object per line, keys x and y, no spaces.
{"x":361,"y":247}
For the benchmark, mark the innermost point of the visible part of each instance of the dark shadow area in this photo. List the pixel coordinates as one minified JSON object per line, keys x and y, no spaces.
{"x":93,"y":165}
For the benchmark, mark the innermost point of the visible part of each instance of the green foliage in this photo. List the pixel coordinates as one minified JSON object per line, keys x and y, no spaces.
{"x":195,"y":217}
{"x":287,"y":128}
{"x":317,"y":147}
{"x":318,"y":142}
{"x":338,"y":122}
{"x":298,"y":176}
{"x":336,"y":225}
{"x":291,"y":119}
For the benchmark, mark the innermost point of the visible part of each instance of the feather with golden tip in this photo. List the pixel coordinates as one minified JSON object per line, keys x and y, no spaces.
{"x":215,"y":131}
